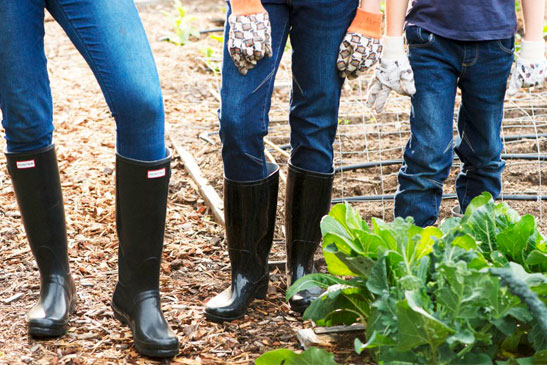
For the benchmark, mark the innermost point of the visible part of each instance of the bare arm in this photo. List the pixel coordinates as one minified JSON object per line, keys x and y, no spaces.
{"x":372,"y":6}
{"x":395,"y":17}
{"x":534,"y":13}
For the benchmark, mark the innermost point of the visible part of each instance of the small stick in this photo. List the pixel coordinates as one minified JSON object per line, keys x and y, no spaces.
{"x":276,"y":147}
{"x":211,"y":197}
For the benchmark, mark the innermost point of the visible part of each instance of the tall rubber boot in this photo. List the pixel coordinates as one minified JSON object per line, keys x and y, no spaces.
{"x":141,"y":203}
{"x":37,"y":186}
{"x":307,"y":200}
{"x":249,"y":211}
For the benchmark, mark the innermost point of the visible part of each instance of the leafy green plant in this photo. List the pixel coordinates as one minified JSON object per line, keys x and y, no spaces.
{"x":311,"y":356}
{"x":181,"y":23}
{"x":429,"y":295}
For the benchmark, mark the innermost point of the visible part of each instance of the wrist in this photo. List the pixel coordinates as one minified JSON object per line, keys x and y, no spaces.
{"x":393,"y":47}
{"x":532,"y":50}
{"x":246,"y":7}
{"x":367,"y":23}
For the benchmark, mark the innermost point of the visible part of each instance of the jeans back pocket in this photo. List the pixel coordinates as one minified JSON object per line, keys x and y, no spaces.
{"x":418,"y":36}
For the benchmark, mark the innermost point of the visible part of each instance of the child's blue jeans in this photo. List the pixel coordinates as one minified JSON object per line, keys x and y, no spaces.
{"x":440,"y":65}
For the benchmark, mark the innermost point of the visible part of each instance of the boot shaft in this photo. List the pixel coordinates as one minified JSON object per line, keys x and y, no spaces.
{"x":307,"y":200}
{"x":141,"y":204}
{"x":37,"y":186}
{"x":250,"y":210}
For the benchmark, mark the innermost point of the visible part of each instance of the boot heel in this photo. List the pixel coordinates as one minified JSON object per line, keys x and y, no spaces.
{"x":262,"y":291}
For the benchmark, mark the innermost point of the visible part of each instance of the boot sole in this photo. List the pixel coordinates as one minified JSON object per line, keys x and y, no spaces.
{"x":141,"y":347}
{"x":260,"y":294}
{"x":55,"y":330}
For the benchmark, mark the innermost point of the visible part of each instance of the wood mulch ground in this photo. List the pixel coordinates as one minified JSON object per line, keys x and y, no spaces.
{"x":195,"y":265}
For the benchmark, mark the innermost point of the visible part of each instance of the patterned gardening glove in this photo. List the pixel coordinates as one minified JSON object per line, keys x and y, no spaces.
{"x":530,"y":67}
{"x":361,"y":46}
{"x":393,"y":73}
{"x":250,"y":36}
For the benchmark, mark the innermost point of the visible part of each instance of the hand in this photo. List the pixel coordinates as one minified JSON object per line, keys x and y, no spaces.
{"x":361,"y":46}
{"x":250,"y":36}
{"x":530,"y":69}
{"x":393,"y":73}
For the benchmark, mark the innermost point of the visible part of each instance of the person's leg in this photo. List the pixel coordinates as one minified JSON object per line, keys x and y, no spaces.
{"x":479,"y":121}
{"x":317,"y":29}
{"x":250,"y":184}
{"x":25,"y":100}
{"x":245,"y":103}
{"x":25,"y":96}
{"x":428,"y":154}
{"x":111,"y":38}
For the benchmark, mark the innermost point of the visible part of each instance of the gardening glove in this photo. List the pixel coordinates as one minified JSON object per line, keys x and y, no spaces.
{"x":250,"y":36}
{"x":530,"y":67}
{"x":393,"y":73}
{"x":361,"y":46}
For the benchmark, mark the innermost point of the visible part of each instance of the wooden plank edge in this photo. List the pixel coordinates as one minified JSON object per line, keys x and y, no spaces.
{"x":209,"y":194}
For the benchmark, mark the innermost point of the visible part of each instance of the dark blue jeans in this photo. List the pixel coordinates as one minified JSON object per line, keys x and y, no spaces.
{"x":440,"y":65}
{"x":316,"y":28}
{"x":111,"y":38}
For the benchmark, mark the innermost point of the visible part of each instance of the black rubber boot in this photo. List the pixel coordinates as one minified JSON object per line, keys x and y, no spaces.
{"x":307,"y":200}
{"x":141,"y":203}
{"x":37,"y":186}
{"x":249,"y":211}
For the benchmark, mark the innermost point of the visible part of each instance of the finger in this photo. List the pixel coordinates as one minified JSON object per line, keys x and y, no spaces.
{"x":408,"y":86}
{"x":374,"y":88}
{"x":354,"y":62}
{"x":381,"y":99}
{"x":344,"y":54}
{"x":268,"y":46}
{"x":515,"y":84}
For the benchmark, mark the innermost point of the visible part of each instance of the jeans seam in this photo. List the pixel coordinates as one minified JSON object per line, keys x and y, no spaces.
{"x":434,"y":182}
{"x":91,"y":58}
{"x":279,"y":55}
{"x":258,"y":160}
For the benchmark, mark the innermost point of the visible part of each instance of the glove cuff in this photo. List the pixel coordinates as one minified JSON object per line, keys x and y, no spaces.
{"x":532,"y":50}
{"x":246,"y":7}
{"x":367,"y":24}
{"x":394,"y":47}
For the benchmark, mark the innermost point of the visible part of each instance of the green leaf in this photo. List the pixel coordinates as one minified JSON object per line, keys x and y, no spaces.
{"x":378,"y":281}
{"x":376,"y":340}
{"x":536,"y":257}
{"x":429,"y":236}
{"x":466,"y":242}
{"x":479,"y":221}
{"x":513,"y":241}
{"x":311,"y":356}
{"x":417,"y":327}
{"x":475,"y":359}
{"x":340,"y":304}
{"x":540,"y":357}
{"x":316,"y":280}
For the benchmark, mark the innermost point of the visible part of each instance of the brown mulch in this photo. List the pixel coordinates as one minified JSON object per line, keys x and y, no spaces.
{"x":195,"y":265}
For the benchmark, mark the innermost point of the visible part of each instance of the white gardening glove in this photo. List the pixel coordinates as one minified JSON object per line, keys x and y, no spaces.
{"x":361,"y":46}
{"x":530,"y":67}
{"x":392,"y":73}
{"x":250,"y":36}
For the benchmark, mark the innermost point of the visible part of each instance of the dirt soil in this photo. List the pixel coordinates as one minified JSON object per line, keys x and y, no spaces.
{"x":195,"y":265}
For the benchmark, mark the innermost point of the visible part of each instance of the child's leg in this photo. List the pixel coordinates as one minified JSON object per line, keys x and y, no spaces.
{"x":479,"y":121}
{"x":429,"y":152}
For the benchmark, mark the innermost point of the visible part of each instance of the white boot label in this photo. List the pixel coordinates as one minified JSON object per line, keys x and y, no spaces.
{"x":154,"y":174}
{"x":26,"y":164}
